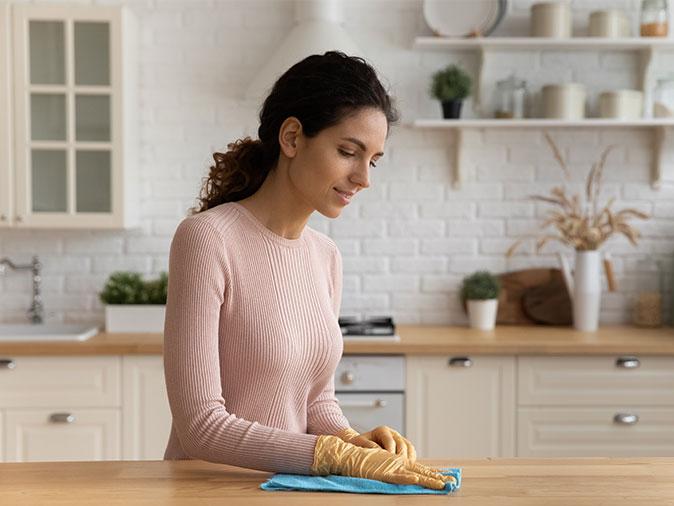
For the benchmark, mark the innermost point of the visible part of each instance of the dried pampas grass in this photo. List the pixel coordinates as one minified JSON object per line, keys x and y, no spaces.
{"x":583,"y":225}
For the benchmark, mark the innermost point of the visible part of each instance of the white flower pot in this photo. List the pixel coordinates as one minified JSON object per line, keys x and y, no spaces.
{"x":135,"y":318}
{"x":482,"y":313}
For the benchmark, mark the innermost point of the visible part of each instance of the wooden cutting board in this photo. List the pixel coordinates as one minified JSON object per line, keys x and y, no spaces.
{"x":534,"y":296}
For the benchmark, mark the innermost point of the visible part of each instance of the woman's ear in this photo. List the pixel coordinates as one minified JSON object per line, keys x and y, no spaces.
{"x":289,"y":134}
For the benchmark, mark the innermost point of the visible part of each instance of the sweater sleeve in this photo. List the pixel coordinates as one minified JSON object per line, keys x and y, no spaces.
{"x":324,"y":416}
{"x":206,"y":430}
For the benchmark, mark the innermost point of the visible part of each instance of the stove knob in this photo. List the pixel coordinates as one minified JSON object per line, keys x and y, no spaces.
{"x":347,"y":378}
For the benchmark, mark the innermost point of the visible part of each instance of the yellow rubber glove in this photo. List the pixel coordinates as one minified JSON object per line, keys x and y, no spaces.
{"x":380,"y":437}
{"x":334,"y":456}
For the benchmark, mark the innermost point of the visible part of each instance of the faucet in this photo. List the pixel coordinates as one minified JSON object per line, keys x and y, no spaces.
{"x":36,"y":310}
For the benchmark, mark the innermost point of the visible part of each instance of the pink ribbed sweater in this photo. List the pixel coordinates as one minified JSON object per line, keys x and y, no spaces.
{"x":251,"y":342}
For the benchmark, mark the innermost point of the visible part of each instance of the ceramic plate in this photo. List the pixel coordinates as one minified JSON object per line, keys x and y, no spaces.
{"x":463,"y":18}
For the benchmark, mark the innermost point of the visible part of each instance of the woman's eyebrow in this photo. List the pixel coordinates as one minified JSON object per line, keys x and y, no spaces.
{"x":361,"y":144}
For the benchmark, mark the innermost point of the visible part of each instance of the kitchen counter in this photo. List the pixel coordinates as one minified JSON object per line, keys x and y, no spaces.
{"x":415,"y":339}
{"x":503,"y":482}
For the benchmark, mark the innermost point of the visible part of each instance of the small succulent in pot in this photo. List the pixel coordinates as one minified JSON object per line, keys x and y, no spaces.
{"x":451,"y":86}
{"x":480,"y":292}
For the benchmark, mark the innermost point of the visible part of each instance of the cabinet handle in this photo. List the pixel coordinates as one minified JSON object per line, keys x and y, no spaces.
{"x":62,"y":418}
{"x":377,"y":403}
{"x":7,"y":363}
{"x":460,"y":362}
{"x":625,"y":418}
{"x":19,"y":218}
{"x":628,"y":362}
{"x":3,"y":217}
{"x":348,"y":377}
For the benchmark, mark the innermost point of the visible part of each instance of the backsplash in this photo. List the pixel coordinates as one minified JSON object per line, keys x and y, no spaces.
{"x":409,"y":239}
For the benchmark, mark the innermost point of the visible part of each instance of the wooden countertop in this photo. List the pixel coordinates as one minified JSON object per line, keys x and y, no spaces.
{"x":502,"y":482}
{"x":415,"y":339}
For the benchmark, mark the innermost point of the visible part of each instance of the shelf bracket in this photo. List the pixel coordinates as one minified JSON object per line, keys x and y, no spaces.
{"x":458,"y":172}
{"x":659,"y":133}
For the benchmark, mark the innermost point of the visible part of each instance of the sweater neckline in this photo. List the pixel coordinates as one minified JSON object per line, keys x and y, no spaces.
{"x":279,"y":239}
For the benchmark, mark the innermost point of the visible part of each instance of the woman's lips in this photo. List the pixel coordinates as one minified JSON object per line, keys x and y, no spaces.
{"x":344,"y":196}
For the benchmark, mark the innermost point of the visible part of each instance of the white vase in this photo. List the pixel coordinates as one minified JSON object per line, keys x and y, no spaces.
{"x":585,"y":289}
{"x":135,"y":318}
{"x":482,"y":313}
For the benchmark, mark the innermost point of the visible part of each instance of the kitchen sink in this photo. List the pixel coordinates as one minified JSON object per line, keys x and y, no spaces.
{"x":46,"y":332}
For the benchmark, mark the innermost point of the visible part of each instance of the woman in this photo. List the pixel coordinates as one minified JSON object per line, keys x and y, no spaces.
{"x":251,"y":334}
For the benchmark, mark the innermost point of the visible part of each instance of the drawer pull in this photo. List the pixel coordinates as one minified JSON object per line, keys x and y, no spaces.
{"x":628,"y":362}
{"x":62,"y":418}
{"x":7,"y":363}
{"x":377,"y":403}
{"x":460,"y":362}
{"x":348,"y":377}
{"x":625,"y":419}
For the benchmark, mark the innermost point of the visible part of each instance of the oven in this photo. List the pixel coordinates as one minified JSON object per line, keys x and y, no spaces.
{"x":371,"y":391}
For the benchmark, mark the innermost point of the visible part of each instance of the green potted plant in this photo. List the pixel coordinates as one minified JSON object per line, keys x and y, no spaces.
{"x":451,"y":86}
{"x":133,"y":304}
{"x":480,"y":292}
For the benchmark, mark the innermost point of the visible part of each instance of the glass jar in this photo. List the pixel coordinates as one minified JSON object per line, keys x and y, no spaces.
{"x":654,"y":18}
{"x":663,"y":98}
{"x":647,"y":304}
{"x":511,"y":98}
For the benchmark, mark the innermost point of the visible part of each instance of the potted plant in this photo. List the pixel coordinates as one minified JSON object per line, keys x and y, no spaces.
{"x":480,"y":292}
{"x":134,"y":305}
{"x":581,"y":221}
{"x":450,"y":86}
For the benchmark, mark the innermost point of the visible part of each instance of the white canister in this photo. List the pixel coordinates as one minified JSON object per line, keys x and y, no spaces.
{"x":621,"y":104}
{"x":612,"y":23}
{"x":551,"y":19}
{"x":564,"y":101}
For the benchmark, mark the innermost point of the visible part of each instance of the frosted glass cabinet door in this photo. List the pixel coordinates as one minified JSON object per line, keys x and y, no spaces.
{"x":74,"y":67}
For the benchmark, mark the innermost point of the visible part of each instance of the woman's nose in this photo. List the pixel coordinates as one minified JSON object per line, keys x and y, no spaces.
{"x":361,"y":177}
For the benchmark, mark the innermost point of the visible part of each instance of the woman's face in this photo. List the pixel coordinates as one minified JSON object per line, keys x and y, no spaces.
{"x":332,"y":167}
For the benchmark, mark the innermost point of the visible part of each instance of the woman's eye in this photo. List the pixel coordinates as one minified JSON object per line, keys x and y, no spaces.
{"x":347,"y":154}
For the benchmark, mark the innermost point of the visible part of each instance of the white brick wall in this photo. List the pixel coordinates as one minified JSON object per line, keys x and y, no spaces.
{"x":411,"y":237}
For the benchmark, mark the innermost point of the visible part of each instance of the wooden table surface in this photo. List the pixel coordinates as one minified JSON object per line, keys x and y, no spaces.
{"x":414,"y":339}
{"x":502,"y":482}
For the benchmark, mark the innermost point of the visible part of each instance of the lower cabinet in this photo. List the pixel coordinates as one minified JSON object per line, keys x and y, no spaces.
{"x":461,"y":407}
{"x":34,"y":435}
{"x":83,"y":408}
{"x":618,"y":431}
{"x":146,"y":412}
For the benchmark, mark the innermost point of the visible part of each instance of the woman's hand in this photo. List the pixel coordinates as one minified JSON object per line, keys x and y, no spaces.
{"x":381,"y":437}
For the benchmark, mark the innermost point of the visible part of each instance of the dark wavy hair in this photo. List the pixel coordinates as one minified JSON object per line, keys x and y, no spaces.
{"x":319,"y":91}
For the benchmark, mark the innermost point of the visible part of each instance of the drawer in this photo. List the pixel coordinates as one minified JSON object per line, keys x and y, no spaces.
{"x":593,"y":381}
{"x":370,"y":373}
{"x":35,"y":435}
{"x":592,"y":432}
{"x":60,"y":381}
{"x":367,"y":411}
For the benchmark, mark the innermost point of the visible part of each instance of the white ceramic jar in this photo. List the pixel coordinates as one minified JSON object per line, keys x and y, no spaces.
{"x":621,"y":104}
{"x":612,"y":23}
{"x":551,"y":19}
{"x":564,"y":101}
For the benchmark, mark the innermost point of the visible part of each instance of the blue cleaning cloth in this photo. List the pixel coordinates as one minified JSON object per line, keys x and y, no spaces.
{"x":335,"y":483}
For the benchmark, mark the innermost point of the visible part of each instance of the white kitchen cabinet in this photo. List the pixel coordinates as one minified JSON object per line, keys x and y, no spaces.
{"x":34,"y":435}
{"x":6,"y":204}
{"x":75,"y":116}
{"x":146,"y":412}
{"x":461,"y":407}
{"x":607,"y":431}
{"x":60,"y":408}
{"x":609,"y":406}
